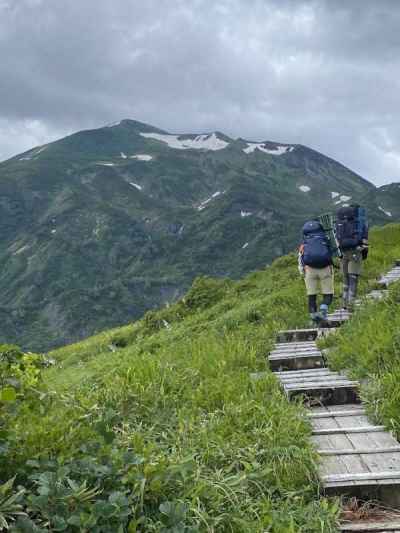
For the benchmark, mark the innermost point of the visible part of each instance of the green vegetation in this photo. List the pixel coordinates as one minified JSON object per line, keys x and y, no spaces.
{"x":158,"y":426}
{"x":82,"y":249}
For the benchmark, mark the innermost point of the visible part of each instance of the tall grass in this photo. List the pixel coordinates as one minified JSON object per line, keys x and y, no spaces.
{"x":209,"y":449}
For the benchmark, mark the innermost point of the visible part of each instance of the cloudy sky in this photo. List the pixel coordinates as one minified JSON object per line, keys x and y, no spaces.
{"x":325,"y":73}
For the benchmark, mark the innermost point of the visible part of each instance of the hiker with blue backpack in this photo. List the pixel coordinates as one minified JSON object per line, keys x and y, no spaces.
{"x":316,"y":265}
{"x":351,"y":230}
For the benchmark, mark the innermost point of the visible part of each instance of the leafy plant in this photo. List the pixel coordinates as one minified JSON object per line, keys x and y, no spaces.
{"x":10,"y":506}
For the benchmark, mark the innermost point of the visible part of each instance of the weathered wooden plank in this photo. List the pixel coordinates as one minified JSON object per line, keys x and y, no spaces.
{"x":347,"y":430}
{"x":293,"y":355}
{"x":293,"y":347}
{"x":339,"y":314}
{"x":372,"y":440}
{"x":310,"y":385}
{"x":305,"y":372}
{"x":347,"y":412}
{"x":313,"y":378}
{"x":348,"y":406}
{"x":379,"y":462}
{"x":342,"y":465}
{"x":376,"y":476}
{"x":332,"y":441}
{"x":360,"y":451}
{"x":294,"y":344}
{"x":314,"y":372}
{"x":309,"y":373}
{"x":332,"y":422}
{"x":365,"y":526}
{"x":332,"y":408}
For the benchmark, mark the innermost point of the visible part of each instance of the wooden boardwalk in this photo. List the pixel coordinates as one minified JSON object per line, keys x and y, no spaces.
{"x":392,"y":276}
{"x":357,"y":457}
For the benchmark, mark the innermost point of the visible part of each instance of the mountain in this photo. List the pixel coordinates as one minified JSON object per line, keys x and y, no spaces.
{"x":100,"y":226}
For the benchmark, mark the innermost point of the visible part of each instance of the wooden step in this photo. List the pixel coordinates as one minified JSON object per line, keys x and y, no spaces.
{"x":296,"y":361}
{"x":297,"y":335}
{"x":303,"y":335}
{"x":339,"y":316}
{"x":325,"y":387}
{"x":390,"y":277}
{"x":377,"y":294}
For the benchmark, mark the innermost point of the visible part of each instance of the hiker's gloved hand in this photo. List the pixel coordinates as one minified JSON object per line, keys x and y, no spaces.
{"x":364,"y":253}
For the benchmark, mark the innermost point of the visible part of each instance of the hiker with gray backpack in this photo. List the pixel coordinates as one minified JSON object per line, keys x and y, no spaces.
{"x":316,"y":265}
{"x":351,"y":229}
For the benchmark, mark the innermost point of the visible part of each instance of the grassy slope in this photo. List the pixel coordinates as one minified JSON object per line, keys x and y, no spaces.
{"x":177,"y":393}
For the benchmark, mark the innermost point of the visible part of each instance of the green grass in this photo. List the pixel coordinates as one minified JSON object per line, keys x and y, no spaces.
{"x":209,"y":449}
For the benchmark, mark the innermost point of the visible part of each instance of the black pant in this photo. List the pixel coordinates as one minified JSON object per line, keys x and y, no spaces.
{"x":312,"y":302}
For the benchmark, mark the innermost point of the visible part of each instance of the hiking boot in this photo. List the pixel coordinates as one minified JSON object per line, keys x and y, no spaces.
{"x":315,"y":319}
{"x":323,"y":309}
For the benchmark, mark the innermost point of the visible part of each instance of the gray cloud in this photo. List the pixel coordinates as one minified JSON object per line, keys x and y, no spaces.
{"x":322,"y":73}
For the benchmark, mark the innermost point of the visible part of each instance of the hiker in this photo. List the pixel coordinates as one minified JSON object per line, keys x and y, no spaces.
{"x":315,"y":264}
{"x":352,"y":236}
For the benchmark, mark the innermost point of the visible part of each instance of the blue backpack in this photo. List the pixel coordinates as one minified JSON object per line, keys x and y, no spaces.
{"x":351,"y":227}
{"x":316,"y":252}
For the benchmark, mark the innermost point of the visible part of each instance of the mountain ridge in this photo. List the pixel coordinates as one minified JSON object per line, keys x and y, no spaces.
{"x":100,"y":226}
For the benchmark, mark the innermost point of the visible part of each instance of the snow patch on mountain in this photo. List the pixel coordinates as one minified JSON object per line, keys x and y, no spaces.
{"x":200,"y":142}
{"x":124,"y":156}
{"x":245,"y":245}
{"x":23,"y":249}
{"x":387,"y":213}
{"x":113,"y":124}
{"x":245,"y":214}
{"x":305,"y":188}
{"x":105,"y":164}
{"x":138,"y":187}
{"x":343,"y":198}
{"x":204,"y":204}
{"x":277,"y":150}
{"x":141,"y":157}
{"x":334,"y":194}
